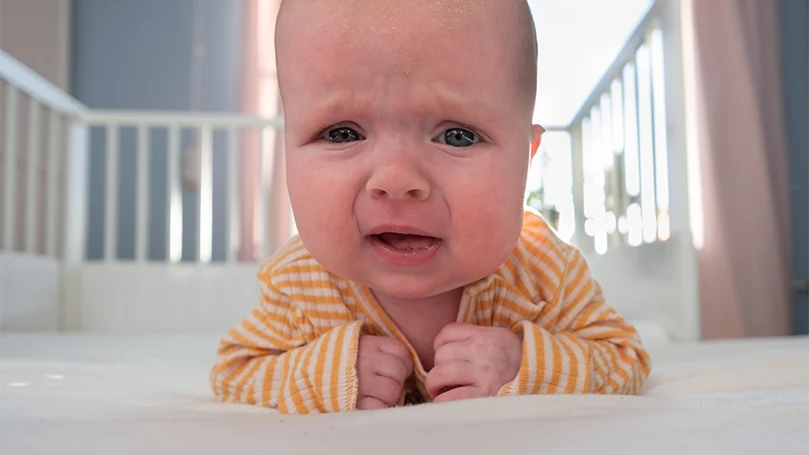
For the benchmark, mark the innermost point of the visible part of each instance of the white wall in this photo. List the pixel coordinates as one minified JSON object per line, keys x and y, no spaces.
{"x":656,"y":283}
{"x":29,"y":292}
{"x":578,"y":40}
{"x":158,"y":298}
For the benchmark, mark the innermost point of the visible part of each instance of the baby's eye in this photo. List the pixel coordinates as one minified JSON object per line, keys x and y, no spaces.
{"x":458,"y":137}
{"x":341,"y":135}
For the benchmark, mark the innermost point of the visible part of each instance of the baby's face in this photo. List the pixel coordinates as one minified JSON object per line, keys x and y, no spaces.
{"x":407,"y":141}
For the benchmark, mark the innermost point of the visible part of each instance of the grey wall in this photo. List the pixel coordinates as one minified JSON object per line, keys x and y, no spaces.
{"x":795,"y":72}
{"x":140,"y":55}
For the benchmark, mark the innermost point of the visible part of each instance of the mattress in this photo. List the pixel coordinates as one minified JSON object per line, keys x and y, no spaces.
{"x":98,"y":394}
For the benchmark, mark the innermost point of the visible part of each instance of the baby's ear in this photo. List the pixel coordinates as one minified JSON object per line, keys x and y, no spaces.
{"x":536,"y":138}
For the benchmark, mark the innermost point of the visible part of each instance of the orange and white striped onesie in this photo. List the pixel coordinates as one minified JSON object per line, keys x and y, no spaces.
{"x":297,"y":350}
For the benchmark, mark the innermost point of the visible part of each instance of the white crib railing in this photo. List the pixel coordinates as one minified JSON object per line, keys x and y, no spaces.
{"x":623,"y":152}
{"x":631,"y":178}
{"x":271,"y":215}
{"x":48,"y":279}
{"x":39,"y":186}
{"x":45,"y":194}
{"x":42,"y":186}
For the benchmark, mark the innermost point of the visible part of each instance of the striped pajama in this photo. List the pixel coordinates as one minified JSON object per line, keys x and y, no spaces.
{"x":297,"y":350}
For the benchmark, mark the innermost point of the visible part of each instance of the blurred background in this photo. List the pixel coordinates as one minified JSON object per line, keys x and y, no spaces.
{"x":142,"y":166}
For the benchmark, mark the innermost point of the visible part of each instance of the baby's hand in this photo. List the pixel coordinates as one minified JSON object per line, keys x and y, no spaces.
{"x":383,"y":365}
{"x":472,"y":362}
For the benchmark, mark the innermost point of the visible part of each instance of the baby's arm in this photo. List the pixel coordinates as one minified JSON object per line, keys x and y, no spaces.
{"x":588,"y":348}
{"x":272,"y":358}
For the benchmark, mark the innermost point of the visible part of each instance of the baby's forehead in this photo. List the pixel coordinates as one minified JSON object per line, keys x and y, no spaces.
{"x":409,"y":14}
{"x":470,"y":30}
{"x":457,"y":6}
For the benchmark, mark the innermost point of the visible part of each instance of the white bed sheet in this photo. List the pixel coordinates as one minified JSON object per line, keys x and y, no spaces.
{"x":88,"y":394}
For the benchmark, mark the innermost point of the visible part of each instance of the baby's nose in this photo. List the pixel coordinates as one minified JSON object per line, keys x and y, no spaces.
{"x":398,"y":179}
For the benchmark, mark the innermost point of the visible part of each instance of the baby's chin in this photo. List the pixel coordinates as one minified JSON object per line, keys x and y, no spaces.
{"x":414,"y":291}
{"x":404,"y":287}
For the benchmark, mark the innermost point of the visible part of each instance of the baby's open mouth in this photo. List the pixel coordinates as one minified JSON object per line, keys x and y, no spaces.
{"x":407,"y":242}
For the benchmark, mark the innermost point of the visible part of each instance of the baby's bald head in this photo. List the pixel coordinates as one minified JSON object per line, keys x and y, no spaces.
{"x":510,"y":19}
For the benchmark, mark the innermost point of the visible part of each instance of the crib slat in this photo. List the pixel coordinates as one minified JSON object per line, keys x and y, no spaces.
{"x":205,"y":211}
{"x":232,"y":227}
{"x":646,"y":140}
{"x":32,"y":180}
{"x":263,"y":199}
{"x":660,"y":124}
{"x":174,"y":202}
{"x":142,"y":194}
{"x":54,"y":168}
{"x":73,"y":202}
{"x":631,"y":156}
{"x":111,"y":191}
{"x":10,"y":169}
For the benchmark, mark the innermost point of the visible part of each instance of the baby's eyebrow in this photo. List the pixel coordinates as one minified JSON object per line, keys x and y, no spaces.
{"x":443,"y":101}
{"x":335,"y":101}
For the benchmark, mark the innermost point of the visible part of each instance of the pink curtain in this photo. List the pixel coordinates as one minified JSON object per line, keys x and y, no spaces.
{"x":260,"y":97}
{"x":745,"y":262}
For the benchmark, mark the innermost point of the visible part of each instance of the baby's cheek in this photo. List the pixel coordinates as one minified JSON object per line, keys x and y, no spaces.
{"x":323,"y":212}
{"x":488,"y":226}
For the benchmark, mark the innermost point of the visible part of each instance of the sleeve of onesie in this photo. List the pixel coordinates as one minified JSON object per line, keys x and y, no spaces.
{"x":588,"y":348}
{"x":272,"y":359}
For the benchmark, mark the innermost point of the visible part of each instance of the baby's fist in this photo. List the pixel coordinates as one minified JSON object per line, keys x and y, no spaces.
{"x":383,"y":365}
{"x":473,"y":362}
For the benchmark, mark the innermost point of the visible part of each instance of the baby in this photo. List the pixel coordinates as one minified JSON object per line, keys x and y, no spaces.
{"x":418,"y":275}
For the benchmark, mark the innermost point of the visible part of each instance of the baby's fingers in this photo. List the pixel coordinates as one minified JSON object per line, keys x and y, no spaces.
{"x":383,"y":389}
{"x":459,"y":393}
{"x":391,"y":368}
{"x":375,"y":348}
{"x":450,"y":375}
{"x":396,"y":349}
{"x":370,"y":403}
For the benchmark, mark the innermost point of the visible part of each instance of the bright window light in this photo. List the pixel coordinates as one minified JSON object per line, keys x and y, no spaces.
{"x":597,"y":141}
{"x":552,"y":170}
{"x":617,"y":117}
{"x":589,"y":227}
{"x":623,"y":225}
{"x":601,"y":243}
{"x":588,"y":186}
{"x":610,"y":223}
{"x":661,"y":146}
{"x":647,"y":173}
{"x":605,"y":145}
{"x":634,"y":225}
{"x":632,"y":173}
{"x":663,"y":226}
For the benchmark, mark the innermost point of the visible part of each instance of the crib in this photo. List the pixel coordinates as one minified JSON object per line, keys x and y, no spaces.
{"x":50,"y":273}
{"x":84,"y":359}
